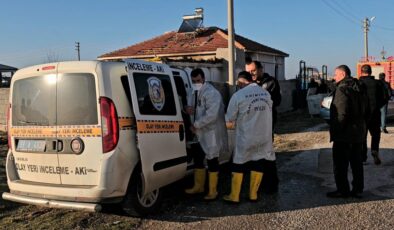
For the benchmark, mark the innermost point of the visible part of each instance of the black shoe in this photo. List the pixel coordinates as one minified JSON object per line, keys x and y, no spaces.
{"x":337,"y":194}
{"x":356,"y":194}
{"x":385,"y":130}
{"x":376,"y":159}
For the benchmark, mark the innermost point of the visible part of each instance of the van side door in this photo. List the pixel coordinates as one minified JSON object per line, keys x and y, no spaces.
{"x":160,"y":127}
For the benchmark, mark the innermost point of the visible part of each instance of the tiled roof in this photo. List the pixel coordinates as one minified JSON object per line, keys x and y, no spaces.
{"x":255,"y":46}
{"x":172,"y":43}
{"x":8,"y":68}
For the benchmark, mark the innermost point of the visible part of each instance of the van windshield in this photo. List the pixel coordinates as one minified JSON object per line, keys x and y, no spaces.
{"x":66,"y":99}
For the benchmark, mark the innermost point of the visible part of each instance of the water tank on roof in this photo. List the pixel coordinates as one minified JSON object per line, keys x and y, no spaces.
{"x":191,"y":23}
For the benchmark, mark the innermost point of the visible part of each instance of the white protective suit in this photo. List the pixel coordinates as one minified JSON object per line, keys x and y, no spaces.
{"x":209,"y":121}
{"x":251,"y":110}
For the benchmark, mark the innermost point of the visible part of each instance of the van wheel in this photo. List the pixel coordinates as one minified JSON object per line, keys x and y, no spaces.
{"x":135,"y":203}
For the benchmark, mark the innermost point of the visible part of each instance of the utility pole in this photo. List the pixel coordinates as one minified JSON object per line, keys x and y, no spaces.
{"x":383,"y":54}
{"x":366,"y":29}
{"x":366,"y":25}
{"x":77,"y":48}
{"x":230,"y":42}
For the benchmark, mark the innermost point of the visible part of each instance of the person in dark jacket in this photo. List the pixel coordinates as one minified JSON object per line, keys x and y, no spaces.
{"x":348,"y":115}
{"x":388,"y":94}
{"x":322,"y":88}
{"x":375,"y":92}
{"x":313,"y":84}
{"x":270,"y":181}
{"x":268,"y":82}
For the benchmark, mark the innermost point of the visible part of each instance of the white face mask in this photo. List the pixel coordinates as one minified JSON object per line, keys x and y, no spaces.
{"x":197,"y":86}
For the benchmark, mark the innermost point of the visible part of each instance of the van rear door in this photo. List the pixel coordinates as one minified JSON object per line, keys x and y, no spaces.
{"x":160,"y":128}
{"x":33,"y":125}
{"x":79,"y":133}
{"x":55,"y":124}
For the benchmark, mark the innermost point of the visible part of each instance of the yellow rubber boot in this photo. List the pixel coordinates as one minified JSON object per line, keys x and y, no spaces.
{"x":199,"y":182}
{"x":255,"y":180}
{"x":213,"y":183}
{"x":236,"y":182}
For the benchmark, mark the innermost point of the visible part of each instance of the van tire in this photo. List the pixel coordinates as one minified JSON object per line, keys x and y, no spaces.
{"x":134,"y":204}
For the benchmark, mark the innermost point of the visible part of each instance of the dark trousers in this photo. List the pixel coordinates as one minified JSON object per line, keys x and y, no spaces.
{"x":274,"y":120}
{"x":383,"y":114}
{"x":198,"y":156}
{"x":374,"y":129}
{"x":343,"y":154}
{"x":270,"y":181}
{"x":257,"y":166}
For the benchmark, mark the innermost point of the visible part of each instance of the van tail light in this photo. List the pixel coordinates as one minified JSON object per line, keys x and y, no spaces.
{"x":109,"y":124}
{"x":9,"y":127}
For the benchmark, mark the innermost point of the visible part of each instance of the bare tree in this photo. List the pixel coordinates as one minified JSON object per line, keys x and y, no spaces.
{"x":52,"y":56}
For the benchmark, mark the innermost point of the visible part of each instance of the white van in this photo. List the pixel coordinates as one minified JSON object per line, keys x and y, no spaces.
{"x":90,"y":132}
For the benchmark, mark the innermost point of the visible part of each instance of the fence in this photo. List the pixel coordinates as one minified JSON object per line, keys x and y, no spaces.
{"x":4,"y":92}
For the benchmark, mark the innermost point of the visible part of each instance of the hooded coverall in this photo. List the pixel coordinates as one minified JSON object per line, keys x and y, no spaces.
{"x":251,"y":110}
{"x":211,"y":133}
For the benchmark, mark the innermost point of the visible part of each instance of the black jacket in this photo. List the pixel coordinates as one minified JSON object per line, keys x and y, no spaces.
{"x":387,"y":90}
{"x":375,"y":92}
{"x":272,"y":86}
{"x":349,"y":112}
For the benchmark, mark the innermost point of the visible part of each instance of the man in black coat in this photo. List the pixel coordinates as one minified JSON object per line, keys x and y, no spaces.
{"x":375,"y":92}
{"x":270,"y":180}
{"x":268,"y":82}
{"x":348,"y":115}
{"x":388,"y":94}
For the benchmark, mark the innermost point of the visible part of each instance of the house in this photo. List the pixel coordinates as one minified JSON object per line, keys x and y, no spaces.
{"x":204,"y":47}
{"x":6,"y":73}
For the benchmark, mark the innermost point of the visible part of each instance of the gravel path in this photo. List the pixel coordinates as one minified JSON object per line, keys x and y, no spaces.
{"x":301,"y":202}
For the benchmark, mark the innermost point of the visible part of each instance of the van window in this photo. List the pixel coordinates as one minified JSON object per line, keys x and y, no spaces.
{"x":34,"y":101}
{"x":125,"y":83}
{"x":180,"y":88}
{"x":37,"y":100}
{"x":76,"y":99}
{"x":155,"y":94}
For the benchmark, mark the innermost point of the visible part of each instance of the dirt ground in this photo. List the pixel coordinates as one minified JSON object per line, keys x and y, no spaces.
{"x":293,"y":132}
{"x":292,"y":135}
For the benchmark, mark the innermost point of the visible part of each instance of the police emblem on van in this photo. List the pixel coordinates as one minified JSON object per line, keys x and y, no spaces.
{"x":156,"y":93}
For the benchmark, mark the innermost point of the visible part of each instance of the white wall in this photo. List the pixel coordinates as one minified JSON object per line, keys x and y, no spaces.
{"x":287,"y":87}
{"x":269,"y":62}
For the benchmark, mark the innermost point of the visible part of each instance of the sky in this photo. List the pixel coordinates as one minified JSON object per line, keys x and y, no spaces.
{"x":320,"y":32}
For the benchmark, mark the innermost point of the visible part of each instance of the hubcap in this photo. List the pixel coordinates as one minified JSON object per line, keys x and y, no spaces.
{"x":149,"y":199}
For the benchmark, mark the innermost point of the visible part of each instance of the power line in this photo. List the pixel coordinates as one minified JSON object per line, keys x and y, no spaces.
{"x":384,"y":28}
{"x":345,"y":10}
{"x":346,"y":4}
{"x":341,"y":13}
{"x":376,"y":37}
{"x":349,"y":12}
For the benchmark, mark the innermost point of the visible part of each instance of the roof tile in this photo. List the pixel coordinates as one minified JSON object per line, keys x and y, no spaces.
{"x":206,"y":40}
